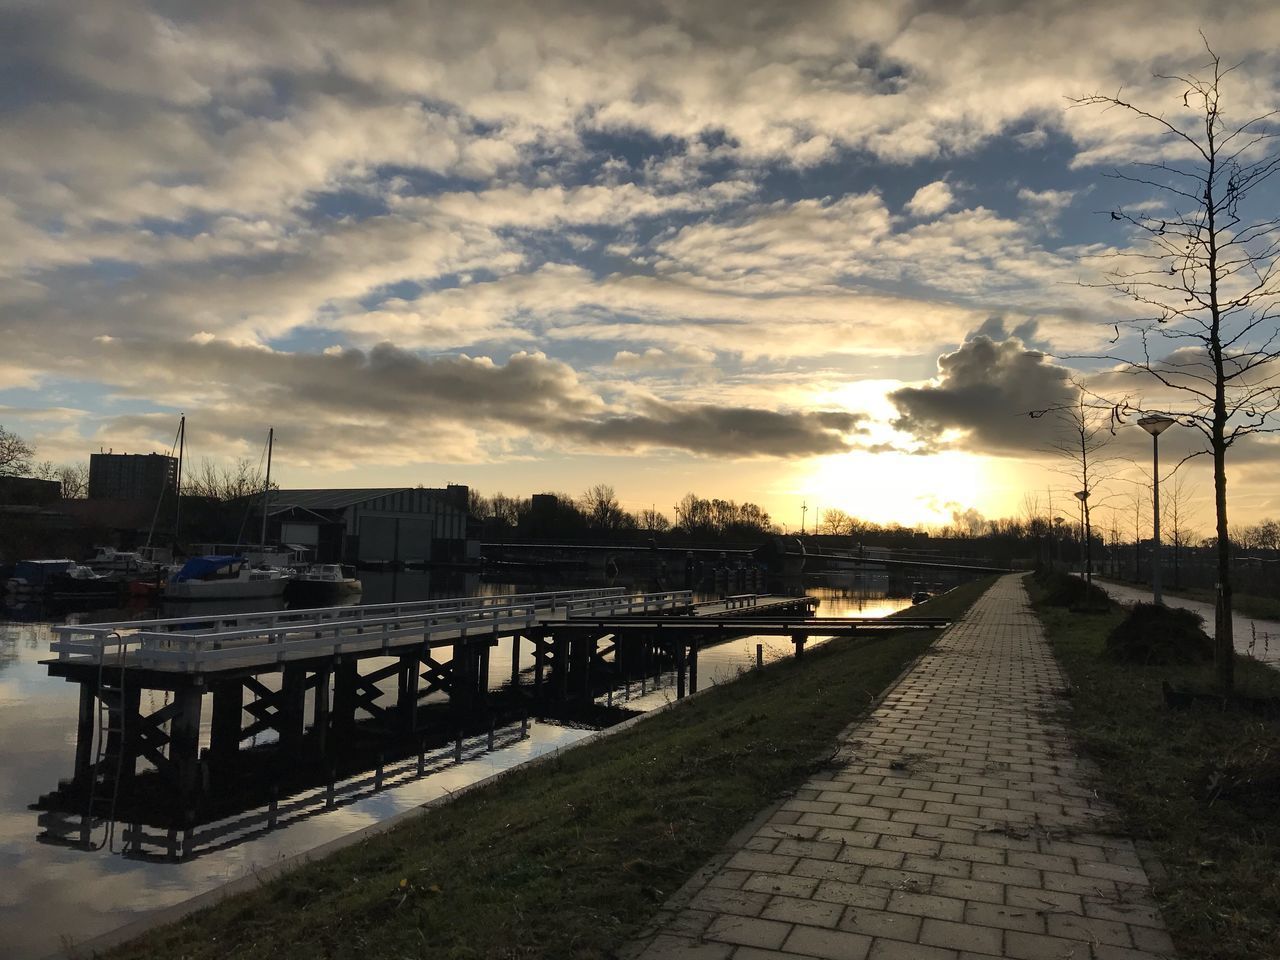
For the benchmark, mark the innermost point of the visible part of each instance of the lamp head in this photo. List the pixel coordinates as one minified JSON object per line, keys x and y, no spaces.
{"x":1155,"y":424}
{"x":1082,"y":495}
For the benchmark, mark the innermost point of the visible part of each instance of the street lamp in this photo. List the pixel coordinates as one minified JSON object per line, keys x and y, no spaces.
{"x":1155,"y":424}
{"x":1087,"y":568}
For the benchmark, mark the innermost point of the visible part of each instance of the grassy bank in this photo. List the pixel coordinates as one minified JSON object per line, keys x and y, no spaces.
{"x":1201,"y":785}
{"x":568,"y":859}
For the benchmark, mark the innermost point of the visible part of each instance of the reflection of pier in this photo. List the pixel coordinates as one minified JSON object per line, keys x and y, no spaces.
{"x":199,"y":732}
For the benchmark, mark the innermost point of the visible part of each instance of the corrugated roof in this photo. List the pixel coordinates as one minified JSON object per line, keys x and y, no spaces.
{"x":282,"y":500}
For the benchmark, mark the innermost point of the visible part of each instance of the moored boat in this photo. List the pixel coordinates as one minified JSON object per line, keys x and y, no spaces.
{"x":322,"y":584}
{"x":224,"y":578}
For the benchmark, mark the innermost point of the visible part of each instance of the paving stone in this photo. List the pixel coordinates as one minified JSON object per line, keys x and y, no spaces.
{"x":828,"y":870}
{"x":786,"y":884}
{"x":668,"y":947}
{"x":926,"y":905}
{"x":869,"y":857}
{"x":1008,"y":918}
{"x":915,"y":845}
{"x":751,"y":931}
{"x":744,"y":903}
{"x":815,"y":849}
{"x":961,"y":936}
{"x":962,"y":889}
{"x":813,"y":913}
{"x":881,"y":923}
{"x":884,"y":949}
{"x":1089,"y":928}
{"x":1034,"y":946}
{"x":753,"y":860}
{"x":1046,"y":901}
{"x":852,"y":894}
{"x":852,"y":838}
{"x":729,"y":879}
{"x":1018,"y":876}
{"x":833,"y":944}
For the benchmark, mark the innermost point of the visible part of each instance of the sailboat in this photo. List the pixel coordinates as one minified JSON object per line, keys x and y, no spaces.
{"x":230,"y":576}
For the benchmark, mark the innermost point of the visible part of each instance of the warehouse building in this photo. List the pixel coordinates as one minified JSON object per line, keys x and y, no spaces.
{"x":383,"y":525}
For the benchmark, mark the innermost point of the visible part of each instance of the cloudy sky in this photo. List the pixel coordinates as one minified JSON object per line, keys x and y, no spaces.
{"x":804,"y":252}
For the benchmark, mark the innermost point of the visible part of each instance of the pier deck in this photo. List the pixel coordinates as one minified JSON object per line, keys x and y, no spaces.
{"x":303,"y":676}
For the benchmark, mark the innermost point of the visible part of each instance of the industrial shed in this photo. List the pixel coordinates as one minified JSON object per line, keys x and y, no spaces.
{"x":375,"y":526}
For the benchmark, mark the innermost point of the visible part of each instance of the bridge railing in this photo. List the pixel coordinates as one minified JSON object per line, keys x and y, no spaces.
{"x":257,"y":644}
{"x":638,"y":603}
{"x":111,"y":641}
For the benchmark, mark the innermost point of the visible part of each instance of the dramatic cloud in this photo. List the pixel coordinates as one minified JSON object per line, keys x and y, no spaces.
{"x":982,"y":398}
{"x":392,"y":390}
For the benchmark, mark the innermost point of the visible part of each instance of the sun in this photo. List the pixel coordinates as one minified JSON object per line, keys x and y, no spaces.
{"x":903,"y":488}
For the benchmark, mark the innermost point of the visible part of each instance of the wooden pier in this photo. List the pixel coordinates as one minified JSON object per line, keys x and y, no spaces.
{"x":306,"y":678}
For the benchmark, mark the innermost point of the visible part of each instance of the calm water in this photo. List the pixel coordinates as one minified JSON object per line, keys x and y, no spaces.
{"x":55,"y":895}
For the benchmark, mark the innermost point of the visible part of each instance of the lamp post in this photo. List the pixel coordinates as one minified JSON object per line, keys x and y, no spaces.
{"x":1155,"y":424}
{"x":1086,"y":561}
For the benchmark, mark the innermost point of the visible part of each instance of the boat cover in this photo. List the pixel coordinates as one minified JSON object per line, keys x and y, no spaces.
{"x":197,"y":567}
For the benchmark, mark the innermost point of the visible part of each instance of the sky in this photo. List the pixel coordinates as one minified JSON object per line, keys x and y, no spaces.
{"x":813,"y":255}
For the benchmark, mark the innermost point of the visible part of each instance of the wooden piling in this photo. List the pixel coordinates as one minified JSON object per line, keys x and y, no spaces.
{"x":224,"y":730}
{"x":184,"y":737}
{"x":85,"y":724}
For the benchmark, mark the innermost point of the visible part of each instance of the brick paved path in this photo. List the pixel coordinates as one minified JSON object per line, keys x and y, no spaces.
{"x":958,"y":823}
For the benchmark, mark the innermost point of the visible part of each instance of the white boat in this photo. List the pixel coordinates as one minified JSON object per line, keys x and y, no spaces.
{"x":224,"y":578}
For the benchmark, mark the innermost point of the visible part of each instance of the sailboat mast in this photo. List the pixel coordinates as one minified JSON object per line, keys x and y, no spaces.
{"x":266,"y":488}
{"x":177,"y":510}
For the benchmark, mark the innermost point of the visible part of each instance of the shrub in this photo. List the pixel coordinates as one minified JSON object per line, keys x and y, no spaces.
{"x":1063,"y":590}
{"x":1159,"y":635}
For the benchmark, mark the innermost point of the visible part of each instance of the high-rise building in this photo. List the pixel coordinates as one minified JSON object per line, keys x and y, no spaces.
{"x":131,"y":476}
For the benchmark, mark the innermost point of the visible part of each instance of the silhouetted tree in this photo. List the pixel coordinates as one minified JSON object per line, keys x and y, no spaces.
{"x":1207,"y":287}
{"x":15,"y":454}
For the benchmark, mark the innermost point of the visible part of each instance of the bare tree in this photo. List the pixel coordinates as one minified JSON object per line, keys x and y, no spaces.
{"x":836,"y":522}
{"x":654,"y":520}
{"x":15,"y":454}
{"x":75,"y":480}
{"x":1177,"y":519}
{"x":1082,"y":432}
{"x":602,"y":510}
{"x":215,"y":481}
{"x":1206,"y":285}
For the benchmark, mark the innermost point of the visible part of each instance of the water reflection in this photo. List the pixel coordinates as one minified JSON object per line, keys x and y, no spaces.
{"x":55,"y":891}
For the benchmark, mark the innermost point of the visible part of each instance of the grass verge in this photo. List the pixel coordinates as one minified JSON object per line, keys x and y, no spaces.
{"x":568,"y":859}
{"x":1200,"y":785}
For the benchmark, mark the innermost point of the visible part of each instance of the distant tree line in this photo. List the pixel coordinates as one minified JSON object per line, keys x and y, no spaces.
{"x":597,"y":514}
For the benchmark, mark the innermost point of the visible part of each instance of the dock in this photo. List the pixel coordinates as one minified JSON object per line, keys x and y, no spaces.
{"x":306,"y":679}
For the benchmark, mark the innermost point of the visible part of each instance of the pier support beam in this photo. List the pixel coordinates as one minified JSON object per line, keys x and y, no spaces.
{"x":292,"y":715}
{"x":224,"y":729}
{"x":184,"y":737}
{"x":346,"y":679}
{"x":320,"y":711}
{"x":85,"y":724}
{"x":407,"y":691}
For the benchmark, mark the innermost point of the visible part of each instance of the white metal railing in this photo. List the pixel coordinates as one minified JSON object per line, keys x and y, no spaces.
{"x":640,"y":603}
{"x":193,"y":644}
